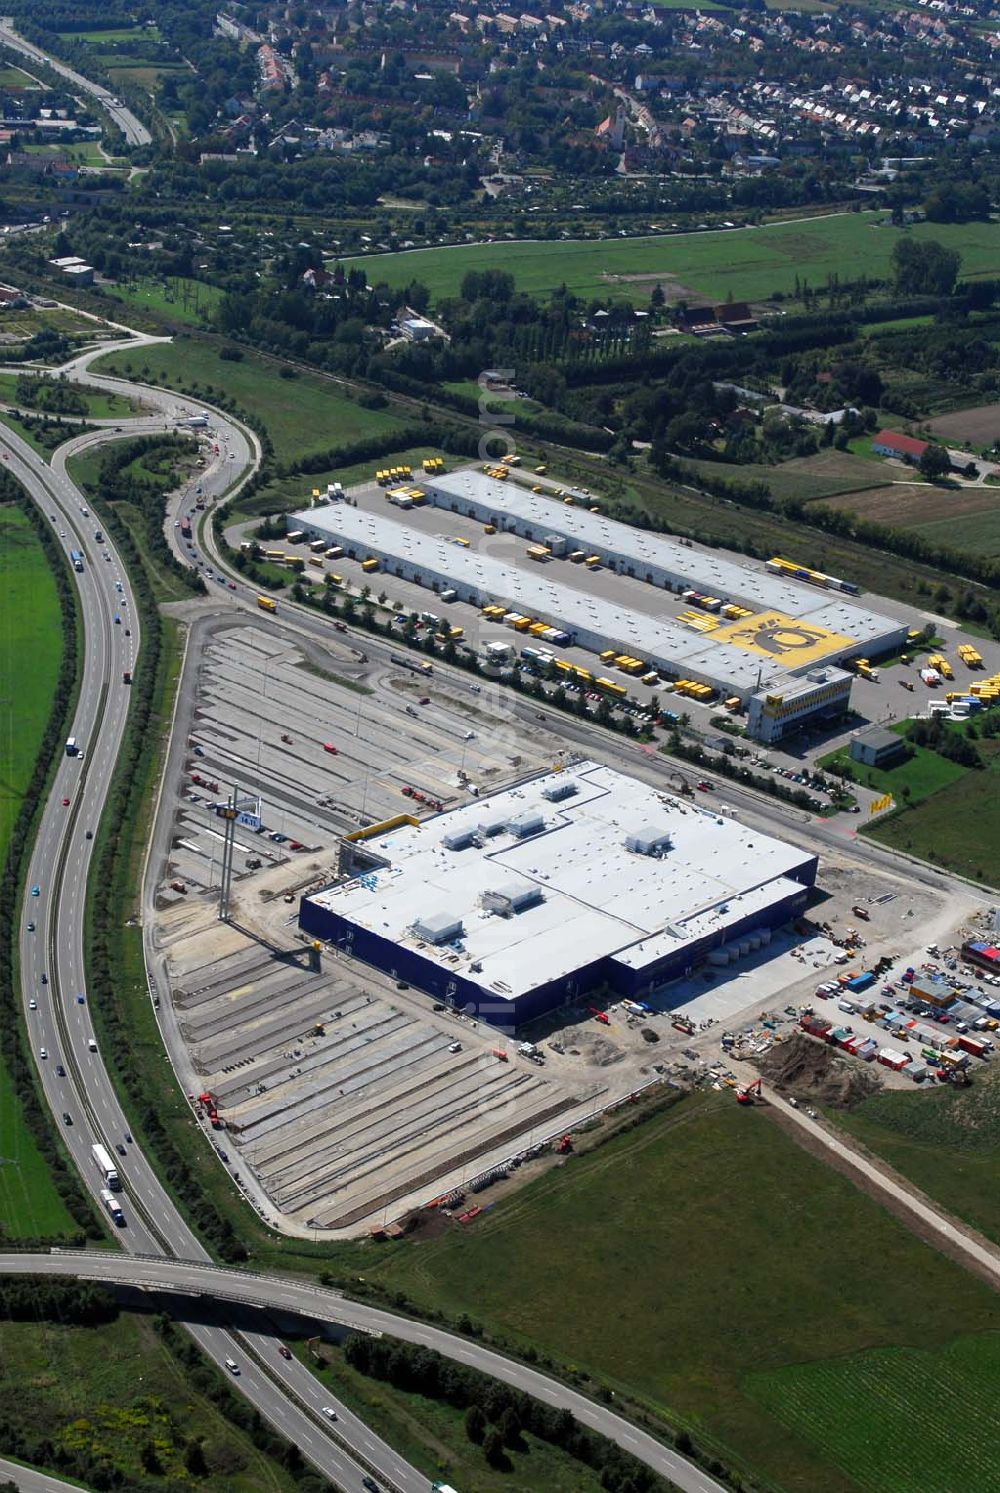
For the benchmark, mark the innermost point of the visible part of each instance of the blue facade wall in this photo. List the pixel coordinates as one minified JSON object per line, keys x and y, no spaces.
{"x":602,"y":975}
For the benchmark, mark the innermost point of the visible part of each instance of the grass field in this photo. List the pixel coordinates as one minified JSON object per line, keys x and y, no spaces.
{"x":827,"y":474}
{"x":99,"y":405}
{"x":953,"y":1385}
{"x":12,"y":77}
{"x":112,"y":35}
{"x":178,"y":298}
{"x":431,"y":1436}
{"x":975,"y":532}
{"x":947,"y":1143}
{"x":302,"y":414}
{"x":925,"y":773}
{"x":112,"y":1389}
{"x":30,"y":651}
{"x":957,"y":827}
{"x":690,"y":1253}
{"x":752,"y":263}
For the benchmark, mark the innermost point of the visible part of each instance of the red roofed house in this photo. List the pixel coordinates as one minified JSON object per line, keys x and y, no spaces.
{"x":891,"y":443}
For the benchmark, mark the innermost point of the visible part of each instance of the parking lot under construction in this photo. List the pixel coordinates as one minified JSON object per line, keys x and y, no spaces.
{"x":345,"y":1099}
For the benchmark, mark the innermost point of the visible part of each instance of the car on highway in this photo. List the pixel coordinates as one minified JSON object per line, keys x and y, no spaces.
{"x":67,"y":1117}
{"x":329,"y":1412}
{"x":45,"y":978}
{"x":81,"y":999}
{"x":32,"y":1004}
{"x":232,"y":585}
{"x":370,"y":1484}
{"x":424,"y":700}
{"x":65,"y":803}
{"x":60,"y":1070}
{"x":43,"y":1052}
{"x":90,"y":834}
{"x":285,"y":1352}
{"x":120,"y":1149}
{"x":31,"y":926}
{"x":36,"y":891}
{"x":277,"y":838}
{"x":232,"y":1366}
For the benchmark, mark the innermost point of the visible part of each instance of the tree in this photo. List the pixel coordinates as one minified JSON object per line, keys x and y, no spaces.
{"x":925,"y":267}
{"x":475,"y":1424}
{"x":493,"y":1448}
{"x":194,"y":1459}
{"x":510,"y":1427}
{"x":935,"y":462}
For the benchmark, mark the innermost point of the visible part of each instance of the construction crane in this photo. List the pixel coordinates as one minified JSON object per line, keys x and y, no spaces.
{"x":749,"y":1093}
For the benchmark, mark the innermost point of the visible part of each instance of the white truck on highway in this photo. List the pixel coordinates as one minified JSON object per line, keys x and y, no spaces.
{"x":106,"y":1167}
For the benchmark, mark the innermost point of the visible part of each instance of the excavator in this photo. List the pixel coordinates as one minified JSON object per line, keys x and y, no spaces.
{"x":749,"y":1093}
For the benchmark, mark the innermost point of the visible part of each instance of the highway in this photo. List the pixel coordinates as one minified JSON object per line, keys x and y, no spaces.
{"x":133,"y":129}
{"x":59,"y":1026}
{"x":316,"y":1303}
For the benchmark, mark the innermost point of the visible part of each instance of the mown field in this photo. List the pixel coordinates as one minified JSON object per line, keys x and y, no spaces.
{"x":302,"y":414}
{"x":957,"y":827}
{"x":954,"y":1443}
{"x":113,"y":1390}
{"x":750,"y":263}
{"x":925,"y":773}
{"x":979,"y":426}
{"x":682,"y":1261}
{"x":98,"y":404}
{"x":30,"y":651}
{"x":947,"y":1143}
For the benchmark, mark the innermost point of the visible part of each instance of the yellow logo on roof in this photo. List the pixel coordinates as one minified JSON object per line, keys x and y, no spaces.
{"x":773,"y":635}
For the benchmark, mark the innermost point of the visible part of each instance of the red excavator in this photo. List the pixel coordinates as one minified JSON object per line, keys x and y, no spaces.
{"x":749,"y":1093}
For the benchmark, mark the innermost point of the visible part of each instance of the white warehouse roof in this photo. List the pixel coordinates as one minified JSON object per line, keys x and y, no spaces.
{"x":479,"y":577}
{"x":709,"y":572}
{"x":594,"y":898}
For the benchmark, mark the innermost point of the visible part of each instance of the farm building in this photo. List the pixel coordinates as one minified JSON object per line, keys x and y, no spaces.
{"x":891,"y":443}
{"x":577,"y":885}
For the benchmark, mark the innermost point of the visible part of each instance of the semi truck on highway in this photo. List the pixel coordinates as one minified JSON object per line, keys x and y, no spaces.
{"x":113,"y":1206}
{"x":106,"y":1167}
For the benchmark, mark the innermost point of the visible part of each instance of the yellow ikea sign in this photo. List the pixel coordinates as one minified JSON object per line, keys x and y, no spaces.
{"x":775,"y":636}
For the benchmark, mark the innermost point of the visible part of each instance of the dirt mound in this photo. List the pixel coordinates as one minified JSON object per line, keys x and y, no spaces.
{"x":813,"y":1070}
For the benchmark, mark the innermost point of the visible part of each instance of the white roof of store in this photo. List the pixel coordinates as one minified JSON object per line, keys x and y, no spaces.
{"x":533,"y":593}
{"x":598,"y":899}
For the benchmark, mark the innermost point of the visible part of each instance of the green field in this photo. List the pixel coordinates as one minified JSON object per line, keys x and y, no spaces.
{"x":958,"y":827}
{"x":30,"y":652}
{"x":827,"y":474}
{"x":99,"y":405}
{"x":12,"y":77}
{"x":977,"y":533}
{"x":954,"y":1386}
{"x":925,"y":773}
{"x":302,"y":414}
{"x":683,"y":1260}
{"x":112,"y":35}
{"x":947,"y":1143}
{"x":178,"y":298}
{"x":111,"y":1389}
{"x":750,"y":263}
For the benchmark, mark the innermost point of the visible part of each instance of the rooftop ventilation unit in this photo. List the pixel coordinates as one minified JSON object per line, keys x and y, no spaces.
{"x":438,"y":928}
{"x":458,"y":839}
{"x":649,"y":841}
{"x":558,"y":790}
{"x":532,"y":822}
{"x":511,"y":898}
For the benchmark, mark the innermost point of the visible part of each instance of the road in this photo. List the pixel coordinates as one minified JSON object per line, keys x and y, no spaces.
{"x":133,"y":129}
{"x":317,"y":1303}
{"x":28,"y":1480}
{"x":59,"y":1024}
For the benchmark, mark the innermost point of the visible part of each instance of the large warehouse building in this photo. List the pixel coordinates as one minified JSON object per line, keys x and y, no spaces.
{"x":580,"y":884}
{"x":781,"y":667}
